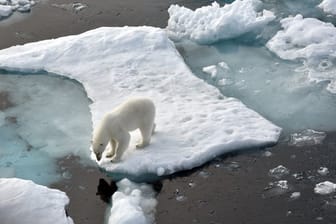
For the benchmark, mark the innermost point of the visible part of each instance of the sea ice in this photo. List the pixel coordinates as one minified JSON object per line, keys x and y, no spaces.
{"x":295,"y":195}
{"x":133,"y":203}
{"x":23,"y":201}
{"x":279,"y":171}
{"x":309,"y":39}
{"x":323,"y":171}
{"x":35,"y":132}
{"x":328,"y":6}
{"x":7,"y":7}
{"x":195,"y":123}
{"x":209,"y":24}
{"x":307,"y":137}
{"x":325,"y":187}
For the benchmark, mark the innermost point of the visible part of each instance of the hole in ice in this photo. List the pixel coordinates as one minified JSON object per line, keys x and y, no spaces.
{"x":45,"y":118}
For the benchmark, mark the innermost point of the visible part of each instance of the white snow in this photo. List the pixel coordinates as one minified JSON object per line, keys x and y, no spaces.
{"x":211,"y":23}
{"x":325,"y":187}
{"x":311,"y":40}
{"x":22,"y":201}
{"x":328,"y":6}
{"x":133,"y":203}
{"x":195,"y":123}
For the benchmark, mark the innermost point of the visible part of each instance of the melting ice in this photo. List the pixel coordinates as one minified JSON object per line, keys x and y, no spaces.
{"x":34,"y":131}
{"x":296,"y":93}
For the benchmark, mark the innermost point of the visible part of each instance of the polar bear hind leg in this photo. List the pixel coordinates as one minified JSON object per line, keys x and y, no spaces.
{"x":122,"y":145}
{"x":146,"y":131}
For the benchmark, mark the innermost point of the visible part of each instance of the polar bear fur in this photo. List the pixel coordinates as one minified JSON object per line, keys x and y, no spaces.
{"x":135,"y":113}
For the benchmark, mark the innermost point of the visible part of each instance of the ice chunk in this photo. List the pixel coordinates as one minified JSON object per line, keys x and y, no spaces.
{"x":276,"y":188}
{"x":328,"y":6}
{"x":312,"y":40}
{"x":323,"y":171}
{"x":307,"y":137}
{"x":211,"y":70}
{"x":22,"y":201}
{"x":295,"y":195}
{"x":325,"y":187}
{"x":133,"y":61}
{"x":133,"y":203}
{"x":209,"y":24}
{"x":5,"y":11}
{"x":279,"y":171}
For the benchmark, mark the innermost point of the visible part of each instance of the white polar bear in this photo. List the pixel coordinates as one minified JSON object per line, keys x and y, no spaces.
{"x":115,"y":127}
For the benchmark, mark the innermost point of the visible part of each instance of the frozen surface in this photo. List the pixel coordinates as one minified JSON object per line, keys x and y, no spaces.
{"x":116,"y":63}
{"x":323,"y":171}
{"x":328,"y":6}
{"x":7,"y":7}
{"x":325,"y":187}
{"x":311,"y":40}
{"x":279,"y":172}
{"x":23,"y":201}
{"x":275,"y":88}
{"x":133,"y":203}
{"x":34,"y":131}
{"x":211,"y":23}
{"x":307,"y":137}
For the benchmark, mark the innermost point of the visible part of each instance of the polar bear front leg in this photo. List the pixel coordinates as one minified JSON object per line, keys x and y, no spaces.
{"x":123,"y":143}
{"x":111,"y":152}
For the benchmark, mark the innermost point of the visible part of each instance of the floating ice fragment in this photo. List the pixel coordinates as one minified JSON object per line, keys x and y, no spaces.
{"x":267,"y":154}
{"x":328,"y":6}
{"x":276,"y":188}
{"x":5,"y":11}
{"x":204,"y":174}
{"x":307,"y":137}
{"x":323,"y":171}
{"x":211,"y":70}
{"x":279,"y":171}
{"x":209,"y":24}
{"x":133,"y":203}
{"x":295,"y":195}
{"x":232,"y":166}
{"x":325,"y":187}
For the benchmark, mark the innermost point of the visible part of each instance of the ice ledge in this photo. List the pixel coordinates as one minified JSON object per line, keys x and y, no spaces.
{"x":195,"y":122}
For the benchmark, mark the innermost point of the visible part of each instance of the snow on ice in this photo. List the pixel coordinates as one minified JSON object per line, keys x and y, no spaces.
{"x":23,"y":201}
{"x":116,"y":63}
{"x":309,"y":39}
{"x":328,"y":6}
{"x":211,"y":23}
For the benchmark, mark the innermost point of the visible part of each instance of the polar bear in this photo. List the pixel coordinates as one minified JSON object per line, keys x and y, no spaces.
{"x":135,"y":113}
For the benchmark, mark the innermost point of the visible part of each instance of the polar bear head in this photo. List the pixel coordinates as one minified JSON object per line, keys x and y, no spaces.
{"x":99,"y":142}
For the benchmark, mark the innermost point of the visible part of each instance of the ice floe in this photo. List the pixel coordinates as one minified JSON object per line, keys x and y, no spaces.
{"x":209,"y":24}
{"x":22,"y":201}
{"x":325,"y":187}
{"x":133,"y":203}
{"x":7,"y":7}
{"x":279,"y":171}
{"x":311,"y":40}
{"x":328,"y":6}
{"x":323,"y":171}
{"x":195,"y":123}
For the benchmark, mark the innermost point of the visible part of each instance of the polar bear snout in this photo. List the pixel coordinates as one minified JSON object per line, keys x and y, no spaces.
{"x":98,"y":156}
